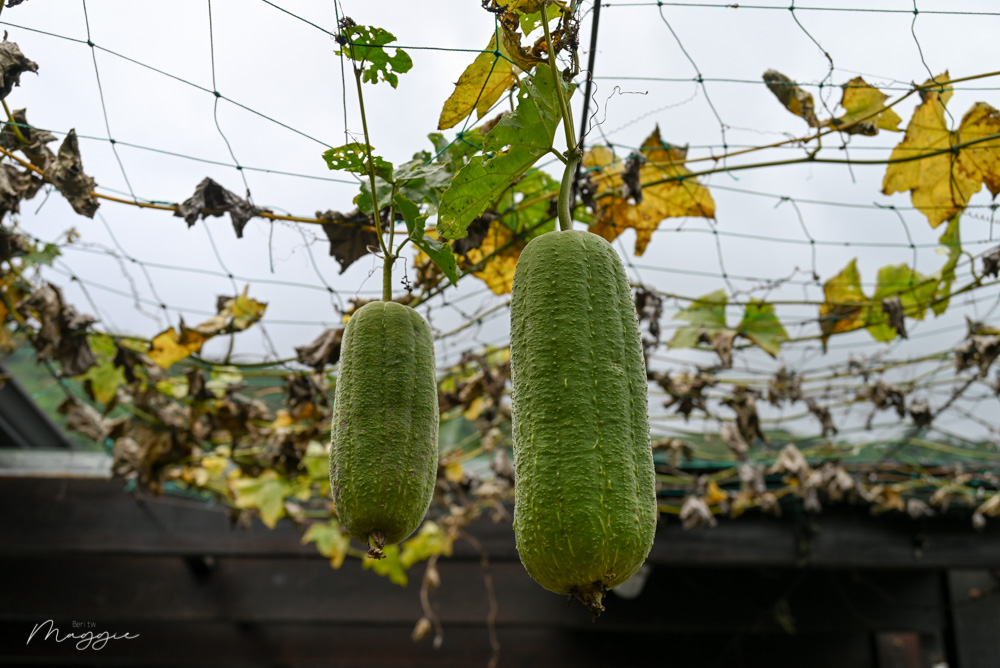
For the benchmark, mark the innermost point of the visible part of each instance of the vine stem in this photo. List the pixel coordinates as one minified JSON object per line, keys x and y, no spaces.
{"x":386,"y":252}
{"x":572,"y":150}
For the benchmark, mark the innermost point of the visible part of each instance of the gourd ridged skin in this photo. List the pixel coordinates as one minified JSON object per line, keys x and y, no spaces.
{"x":585,"y":500}
{"x":384,"y":457}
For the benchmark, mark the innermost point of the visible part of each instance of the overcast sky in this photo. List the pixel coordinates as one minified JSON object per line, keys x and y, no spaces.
{"x":284,"y":68}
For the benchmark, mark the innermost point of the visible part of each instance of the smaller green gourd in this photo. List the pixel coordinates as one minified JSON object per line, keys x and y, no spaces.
{"x":384,"y":454}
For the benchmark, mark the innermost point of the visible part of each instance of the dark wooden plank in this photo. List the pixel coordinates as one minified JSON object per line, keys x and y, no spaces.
{"x":975,"y":604}
{"x":96,"y":516}
{"x":898,"y":649}
{"x":214,"y":644}
{"x":282,"y":590}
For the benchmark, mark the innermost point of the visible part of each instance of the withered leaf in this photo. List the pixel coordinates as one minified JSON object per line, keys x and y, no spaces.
{"x":685,"y":390}
{"x":695,"y":513}
{"x":823,"y":415}
{"x":979,"y":350}
{"x":62,"y":331}
{"x":743,"y":401}
{"x":734,"y":440}
{"x":16,"y":185}
{"x":784,"y":386}
{"x":795,"y":99}
{"x":920,"y":411}
{"x":991,"y":263}
{"x":349,"y":235}
{"x":211,"y":199}
{"x":197,"y":389}
{"x":630,"y":177}
{"x":66,"y":173}
{"x":893,"y":308}
{"x":325,"y":349}
{"x":12,"y":65}
{"x":83,"y":419}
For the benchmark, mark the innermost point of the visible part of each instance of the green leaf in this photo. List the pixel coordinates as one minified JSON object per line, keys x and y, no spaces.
{"x":533,"y":20}
{"x":383,"y":189}
{"x":456,"y":153}
{"x":952,"y":243}
{"x":45,"y":255}
{"x":353,"y":157}
{"x":707,"y":313}
{"x":915,"y":292}
{"x":430,"y":540}
{"x":331,"y":541}
{"x":388,"y":566}
{"x":536,"y":185}
{"x":762,"y":326}
{"x":102,"y":379}
{"x":367,"y":46}
{"x":266,"y":493}
{"x":439,"y":253}
{"x":516,"y":143}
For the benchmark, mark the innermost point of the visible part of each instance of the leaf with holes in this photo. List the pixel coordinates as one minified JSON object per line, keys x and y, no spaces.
{"x":511,"y":148}
{"x":366,"y":46}
{"x":353,"y":158}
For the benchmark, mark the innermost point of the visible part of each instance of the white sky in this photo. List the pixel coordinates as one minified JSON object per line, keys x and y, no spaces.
{"x":284,"y":68}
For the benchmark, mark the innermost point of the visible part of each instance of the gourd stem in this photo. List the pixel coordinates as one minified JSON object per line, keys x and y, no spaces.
{"x":572,"y":151}
{"x":386,"y":253}
{"x":566,"y":190}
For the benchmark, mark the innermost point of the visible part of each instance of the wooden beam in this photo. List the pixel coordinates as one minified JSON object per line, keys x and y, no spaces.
{"x":975,"y":608}
{"x":98,"y":517}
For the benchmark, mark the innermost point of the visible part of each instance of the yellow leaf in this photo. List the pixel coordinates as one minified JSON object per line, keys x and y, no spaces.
{"x":861,"y":100}
{"x":282,"y":419}
{"x":169,"y":346}
{"x":714,"y":494}
{"x":330,"y":540}
{"x":481,"y":84}
{"x":265,"y":493}
{"x":474,"y":409}
{"x":502,"y":254}
{"x":235,"y":315}
{"x":844,"y":307}
{"x":940,"y":185}
{"x":430,"y":540}
{"x":615,"y":213}
{"x":454,"y":472}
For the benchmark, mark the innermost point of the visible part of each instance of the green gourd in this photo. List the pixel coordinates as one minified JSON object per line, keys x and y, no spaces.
{"x":384,"y":455}
{"x":585,"y":500}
